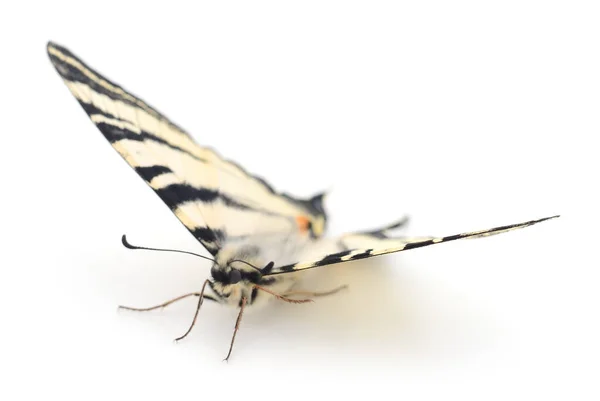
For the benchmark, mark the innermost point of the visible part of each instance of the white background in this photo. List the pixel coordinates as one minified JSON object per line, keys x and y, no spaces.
{"x":463,"y":114}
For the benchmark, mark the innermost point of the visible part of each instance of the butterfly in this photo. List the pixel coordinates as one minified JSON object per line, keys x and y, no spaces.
{"x":257,"y":236}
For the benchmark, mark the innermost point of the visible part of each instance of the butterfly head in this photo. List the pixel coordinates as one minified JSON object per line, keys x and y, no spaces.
{"x":239,"y":263}
{"x":238,"y":279}
{"x":254,"y":276}
{"x":237,"y":270}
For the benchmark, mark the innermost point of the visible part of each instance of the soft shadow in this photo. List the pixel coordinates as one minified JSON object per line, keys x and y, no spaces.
{"x":388,"y":313}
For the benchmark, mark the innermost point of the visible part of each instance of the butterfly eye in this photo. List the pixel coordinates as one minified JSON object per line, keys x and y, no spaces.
{"x":234,"y":276}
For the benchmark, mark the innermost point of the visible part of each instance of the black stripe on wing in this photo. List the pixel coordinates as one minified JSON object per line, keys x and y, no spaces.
{"x":148,"y":173}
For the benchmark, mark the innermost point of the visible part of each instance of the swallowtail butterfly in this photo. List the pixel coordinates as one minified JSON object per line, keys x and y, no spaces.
{"x":255,"y":234}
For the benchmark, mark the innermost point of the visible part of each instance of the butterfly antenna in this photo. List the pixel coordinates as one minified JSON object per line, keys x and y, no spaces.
{"x":129,"y":246}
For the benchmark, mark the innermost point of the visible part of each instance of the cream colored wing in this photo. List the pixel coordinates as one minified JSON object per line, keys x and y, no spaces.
{"x":375,"y":243}
{"x":214,"y":198}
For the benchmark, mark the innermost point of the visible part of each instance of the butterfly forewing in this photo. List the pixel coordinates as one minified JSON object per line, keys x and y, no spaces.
{"x":216,"y":199}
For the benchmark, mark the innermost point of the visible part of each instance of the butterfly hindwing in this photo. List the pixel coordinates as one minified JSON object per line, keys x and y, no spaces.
{"x":216,"y":199}
{"x":379,"y":243}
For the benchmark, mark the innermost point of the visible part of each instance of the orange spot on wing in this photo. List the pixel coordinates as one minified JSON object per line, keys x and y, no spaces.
{"x":303,"y":223}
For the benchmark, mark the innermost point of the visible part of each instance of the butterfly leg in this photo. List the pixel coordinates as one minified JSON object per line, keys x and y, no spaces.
{"x":165,"y":304}
{"x":200,"y":300}
{"x":282,"y":297}
{"x":237,"y":326}
{"x":315,"y":294}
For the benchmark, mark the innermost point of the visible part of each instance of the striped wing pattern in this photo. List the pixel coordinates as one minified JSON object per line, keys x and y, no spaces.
{"x":379,"y":243}
{"x":215,"y":199}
